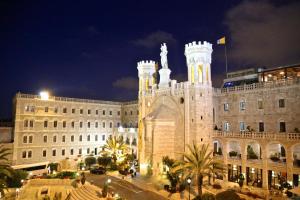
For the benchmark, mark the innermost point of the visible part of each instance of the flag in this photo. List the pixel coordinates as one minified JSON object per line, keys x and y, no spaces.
{"x":221,"y":41}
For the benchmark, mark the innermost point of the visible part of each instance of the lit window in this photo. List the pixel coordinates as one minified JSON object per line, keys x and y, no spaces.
{"x":242,"y":126}
{"x":226,"y":106}
{"x":242,"y":105}
{"x":226,"y":126}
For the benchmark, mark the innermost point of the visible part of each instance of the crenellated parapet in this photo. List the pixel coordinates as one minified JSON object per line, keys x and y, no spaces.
{"x":146,"y":69}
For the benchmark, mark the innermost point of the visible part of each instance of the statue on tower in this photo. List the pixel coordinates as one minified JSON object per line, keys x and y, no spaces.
{"x":163,"y":56}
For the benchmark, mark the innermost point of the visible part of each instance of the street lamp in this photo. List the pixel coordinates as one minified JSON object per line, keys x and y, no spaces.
{"x":109,"y":181}
{"x":189,"y":180}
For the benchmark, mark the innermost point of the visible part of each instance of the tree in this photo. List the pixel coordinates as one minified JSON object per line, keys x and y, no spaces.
{"x":198,"y":163}
{"x":116,"y":147}
{"x":5,"y":169}
{"x":104,"y":160}
{"x":90,"y":161}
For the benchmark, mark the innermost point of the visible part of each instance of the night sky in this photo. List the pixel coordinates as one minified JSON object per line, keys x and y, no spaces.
{"x":89,"y":49}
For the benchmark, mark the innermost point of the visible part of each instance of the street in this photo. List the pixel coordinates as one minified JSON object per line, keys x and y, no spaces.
{"x":123,"y":188}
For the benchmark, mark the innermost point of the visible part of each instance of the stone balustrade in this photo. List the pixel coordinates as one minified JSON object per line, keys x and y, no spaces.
{"x":258,"y":135}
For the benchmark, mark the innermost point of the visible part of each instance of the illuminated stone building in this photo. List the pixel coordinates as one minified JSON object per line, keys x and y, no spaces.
{"x":252,"y":123}
{"x":49,"y":128}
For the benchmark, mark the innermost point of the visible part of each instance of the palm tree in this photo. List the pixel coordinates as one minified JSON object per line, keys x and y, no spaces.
{"x":198,"y":163}
{"x":116,"y":147}
{"x":5,"y":169}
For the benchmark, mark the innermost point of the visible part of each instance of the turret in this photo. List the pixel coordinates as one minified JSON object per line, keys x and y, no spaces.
{"x":198,"y":59}
{"x":146,"y":71}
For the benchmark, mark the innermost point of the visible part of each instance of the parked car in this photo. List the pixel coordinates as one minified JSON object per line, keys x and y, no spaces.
{"x":98,"y":170}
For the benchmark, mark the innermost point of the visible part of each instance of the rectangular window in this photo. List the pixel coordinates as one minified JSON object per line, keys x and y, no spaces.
{"x":131,"y":112}
{"x":110,"y":125}
{"x":103,"y":124}
{"x":88,"y":150}
{"x":25,"y":139}
{"x":80,"y":138}
{"x":96,"y":137}
{"x":260,"y":104}
{"x":103,"y":112}
{"x":29,"y":154}
{"x":63,"y":138}
{"x":79,"y":151}
{"x":282,"y":127}
{"x":72,"y":151}
{"x":73,"y":124}
{"x":73,"y":110}
{"x":44,"y":153}
{"x":45,"y":124}
{"x":89,"y":124}
{"x":96,"y":112}
{"x":125,"y":112}
{"x":281,"y":103}
{"x":64,"y":110}
{"x":63,"y":152}
{"x":226,"y":106}
{"x":96,"y":124}
{"x":31,"y":123}
{"x":72,"y":138}
{"x":24,"y":153}
{"x":119,"y":113}
{"x":243,"y":105}
{"x":88,"y":138}
{"x":226,"y":126}
{"x":242,"y":126}
{"x":80,"y":124}
{"x":64,"y":124}
{"x":30,"y":139}
{"x":46,"y":109}
{"x":55,"y":110}
{"x":261,"y":127}
{"x":26,"y":123}
{"x":45,"y":138}
{"x":89,"y":111}
{"x":81,"y":111}
{"x":53,"y":152}
{"x":110,"y":112}
{"x":54,"y":138}
{"x":103,"y":137}
{"x":55,"y":124}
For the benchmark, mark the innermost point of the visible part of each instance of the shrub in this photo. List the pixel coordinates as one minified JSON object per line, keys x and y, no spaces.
{"x":197,"y":198}
{"x":104,"y":161}
{"x":15,"y":180}
{"x":217,"y":186}
{"x":53,"y":166}
{"x":90,"y":161}
{"x":274,"y":158}
{"x":208,"y":196}
{"x":227,"y":195}
{"x":66,"y":174}
{"x":233,"y":153}
{"x":251,"y":154}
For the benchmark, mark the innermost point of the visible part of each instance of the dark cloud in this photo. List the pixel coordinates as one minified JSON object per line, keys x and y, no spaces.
{"x":264,"y":34}
{"x":128,"y":83}
{"x":154,"y":39}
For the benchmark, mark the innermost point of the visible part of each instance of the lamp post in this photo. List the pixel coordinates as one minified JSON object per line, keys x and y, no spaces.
{"x":189,"y":180}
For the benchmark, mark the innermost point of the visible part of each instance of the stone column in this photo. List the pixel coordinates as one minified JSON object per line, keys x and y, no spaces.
{"x":289,"y":163}
{"x":244,"y":158}
{"x":264,"y":157}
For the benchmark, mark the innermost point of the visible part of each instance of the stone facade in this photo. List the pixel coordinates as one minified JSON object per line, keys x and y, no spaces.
{"x":55,"y":128}
{"x":258,"y":119}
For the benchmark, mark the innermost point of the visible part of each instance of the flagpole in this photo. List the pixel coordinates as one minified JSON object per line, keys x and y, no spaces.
{"x":226,"y":60}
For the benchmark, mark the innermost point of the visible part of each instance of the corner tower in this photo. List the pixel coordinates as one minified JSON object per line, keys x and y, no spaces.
{"x":146,"y":71}
{"x":198,"y":59}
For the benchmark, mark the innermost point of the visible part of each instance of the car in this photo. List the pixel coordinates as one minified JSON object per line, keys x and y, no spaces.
{"x":98,"y":170}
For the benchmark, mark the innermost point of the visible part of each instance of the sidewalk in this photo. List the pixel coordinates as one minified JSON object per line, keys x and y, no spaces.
{"x":152,"y":185}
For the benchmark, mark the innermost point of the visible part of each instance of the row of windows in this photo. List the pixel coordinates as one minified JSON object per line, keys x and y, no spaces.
{"x":261,"y":127}
{"x":28,"y":153}
{"x":281,"y":104}
{"x":29,"y":138}
{"x":29,"y":108}
{"x":29,"y":123}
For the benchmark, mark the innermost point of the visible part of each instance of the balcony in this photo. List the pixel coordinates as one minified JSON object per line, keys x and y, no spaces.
{"x":258,"y":135}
